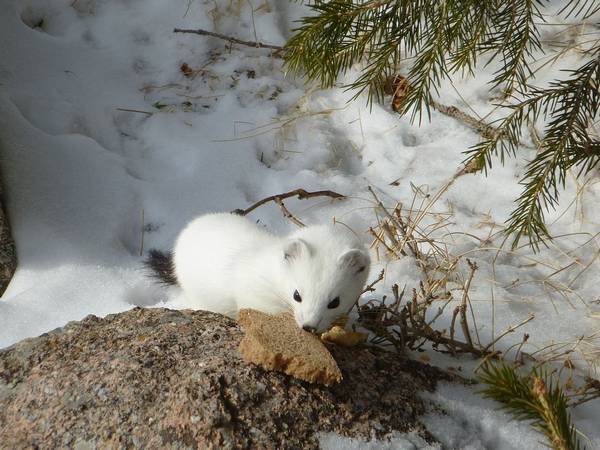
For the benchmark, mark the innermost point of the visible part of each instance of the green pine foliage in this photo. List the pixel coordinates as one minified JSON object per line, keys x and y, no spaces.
{"x":570,"y":105}
{"x":535,"y":398}
{"x":440,"y":38}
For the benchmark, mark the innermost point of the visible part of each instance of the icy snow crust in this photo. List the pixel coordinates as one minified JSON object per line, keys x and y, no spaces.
{"x":84,"y":177}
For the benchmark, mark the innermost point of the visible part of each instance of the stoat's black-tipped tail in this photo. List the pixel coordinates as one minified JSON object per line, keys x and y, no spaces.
{"x":161,"y":266}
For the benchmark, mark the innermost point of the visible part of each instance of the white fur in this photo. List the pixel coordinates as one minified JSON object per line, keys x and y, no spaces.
{"x":225,"y":262}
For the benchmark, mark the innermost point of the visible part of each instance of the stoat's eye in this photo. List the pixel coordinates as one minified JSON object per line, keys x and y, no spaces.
{"x":334,"y":303}
{"x":297,"y":296}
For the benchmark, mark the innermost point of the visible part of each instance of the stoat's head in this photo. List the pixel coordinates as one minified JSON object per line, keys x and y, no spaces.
{"x":327,"y":270}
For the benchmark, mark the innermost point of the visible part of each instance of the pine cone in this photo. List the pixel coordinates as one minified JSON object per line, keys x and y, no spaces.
{"x":398,"y":87}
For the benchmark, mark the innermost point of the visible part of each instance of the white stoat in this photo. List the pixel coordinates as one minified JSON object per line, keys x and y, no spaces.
{"x":225,"y":262}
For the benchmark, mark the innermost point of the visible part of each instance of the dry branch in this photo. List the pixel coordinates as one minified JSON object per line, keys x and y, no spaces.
{"x":230,"y":39}
{"x":590,"y":391}
{"x":370,"y":287}
{"x":404,"y":238}
{"x":405,"y":326}
{"x":463,"y":306}
{"x":510,"y":329}
{"x":138,"y":111}
{"x":410,"y":325}
{"x":300,"y":193}
{"x":287,"y":213}
{"x":485,"y":129}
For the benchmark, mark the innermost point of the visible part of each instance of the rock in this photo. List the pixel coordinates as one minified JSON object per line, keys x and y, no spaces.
{"x":8,"y":254}
{"x":156,"y":378}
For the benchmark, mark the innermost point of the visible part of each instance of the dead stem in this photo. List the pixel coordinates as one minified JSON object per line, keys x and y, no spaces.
{"x":463,"y":306}
{"x":287,"y":214}
{"x":410,"y":325}
{"x":255,"y":44}
{"x":483,"y":128}
{"x":452,"y":326}
{"x":519,"y":354}
{"x":589,"y":391}
{"x":370,"y":287}
{"x":300,"y":193}
{"x":510,"y":329}
{"x":138,"y":111}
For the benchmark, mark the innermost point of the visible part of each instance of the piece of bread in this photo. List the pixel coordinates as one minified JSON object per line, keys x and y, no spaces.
{"x":340,"y":336}
{"x":276,"y":343}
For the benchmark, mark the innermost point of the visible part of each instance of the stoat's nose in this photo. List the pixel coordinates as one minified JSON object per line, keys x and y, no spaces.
{"x":309,"y":328}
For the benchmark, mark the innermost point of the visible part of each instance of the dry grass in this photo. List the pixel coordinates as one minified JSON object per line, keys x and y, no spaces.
{"x":409,"y":318}
{"x":408,"y":322}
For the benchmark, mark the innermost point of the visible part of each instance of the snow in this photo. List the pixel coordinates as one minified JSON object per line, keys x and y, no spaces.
{"x":473,"y":423}
{"x":398,"y":441}
{"x":95,"y":174}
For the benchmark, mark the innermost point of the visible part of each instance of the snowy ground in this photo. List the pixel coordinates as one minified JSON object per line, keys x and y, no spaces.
{"x":89,"y":183}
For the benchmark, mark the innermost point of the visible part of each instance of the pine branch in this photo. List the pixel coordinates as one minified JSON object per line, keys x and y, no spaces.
{"x":516,"y":38}
{"x":429,"y":67}
{"x":535,"y":398}
{"x":447,"y":36}
{"x":471,"y":35}
{"x":580,"y":8}
{"x":572,"y":105}
{"x":340,"y":34}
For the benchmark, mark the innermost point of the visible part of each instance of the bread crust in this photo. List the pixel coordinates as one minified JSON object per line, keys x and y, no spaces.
{"x":275,"y":342}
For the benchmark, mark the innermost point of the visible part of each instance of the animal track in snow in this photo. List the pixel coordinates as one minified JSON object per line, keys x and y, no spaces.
{"x":34,"y":19}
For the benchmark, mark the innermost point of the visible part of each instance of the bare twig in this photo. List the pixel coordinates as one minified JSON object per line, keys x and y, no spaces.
{"x":590,"y":391}
{"x":483,"y":128}
{"x":287,"y":213}
{"x":407,"y":238}
{"x":411,"y":326}
{"x":480,"y":126}
{"x":300,"y":193}
{"x":382,"y":242}
{"x":463,"y":307}
{"x":389,"y":233}
{"x":148,"y":113}
{"x":507,"y":331}
{"x":407,"y":328}
{"x":518,"y":354}
{"x":230,"y":39}
{"x":453,"y":325}
{"x":370,"y":287}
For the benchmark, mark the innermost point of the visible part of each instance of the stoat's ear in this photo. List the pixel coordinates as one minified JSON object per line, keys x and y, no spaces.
{"x":355,"y":259}
{"x":295,"y":248}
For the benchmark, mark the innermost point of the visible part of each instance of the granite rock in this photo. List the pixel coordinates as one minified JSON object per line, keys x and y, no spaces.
{"x":157,"y":378}
{"x":8,"y":253}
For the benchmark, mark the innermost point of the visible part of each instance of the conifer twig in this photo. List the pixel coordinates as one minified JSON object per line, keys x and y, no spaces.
{"x":534,"y":397}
